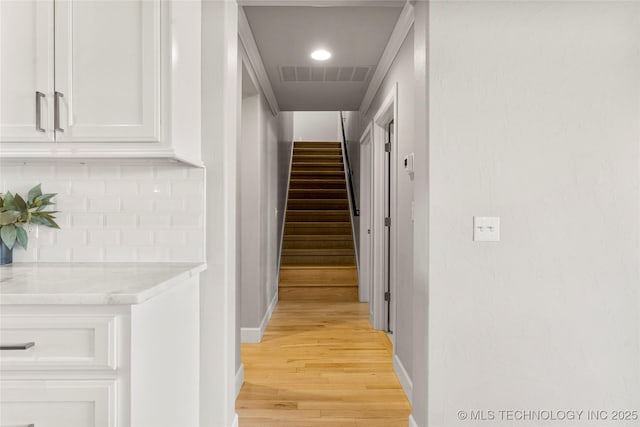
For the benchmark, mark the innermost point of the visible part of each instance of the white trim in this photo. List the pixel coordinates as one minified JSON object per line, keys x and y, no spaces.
{"x":246,"y":62}
{"x":388,"y":111}
{"x":239,"y":379}
{"x":255,"y":60}
{"x":365,"y":273}
{"x":403,"y":377}
{"x":412,"y":421}
{"x":63,"y":152}
{"x":236,"y":421}
{"x":254,"y":335}
{"x":323,"y":3}
{"x":400,"y":31}
{"x":367,"y":132}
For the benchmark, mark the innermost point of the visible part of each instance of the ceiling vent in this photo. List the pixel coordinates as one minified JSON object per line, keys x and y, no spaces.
{"x":292,"y":73}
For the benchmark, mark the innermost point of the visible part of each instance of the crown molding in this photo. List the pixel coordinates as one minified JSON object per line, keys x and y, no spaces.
{"x":400,"y":31}
{"x":255,"y":60}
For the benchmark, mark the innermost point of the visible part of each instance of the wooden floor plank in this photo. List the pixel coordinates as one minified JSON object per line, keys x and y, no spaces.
{"x":321,"y":364}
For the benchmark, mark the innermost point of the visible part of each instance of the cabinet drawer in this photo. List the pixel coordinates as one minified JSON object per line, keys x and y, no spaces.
{"x":86,"y":342}
{"x":57,"y":403}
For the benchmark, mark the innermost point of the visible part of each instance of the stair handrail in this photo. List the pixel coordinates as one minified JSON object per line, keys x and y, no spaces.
{"x":348,"y":171}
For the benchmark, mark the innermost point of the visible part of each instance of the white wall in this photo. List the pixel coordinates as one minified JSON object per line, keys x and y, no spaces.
{"x":323,"y":126}
{"x":534,"y":117}
{"x":130,"y":211}
{"x":220,"y":129}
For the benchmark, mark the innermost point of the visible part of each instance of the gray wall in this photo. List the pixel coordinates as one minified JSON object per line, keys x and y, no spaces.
{"x":352,"y":131}
{"x":402,"y":74}
{"x":285,"y":145}
{"x":534,"y":116}
{"x":263,"y":162}
{"x":251,"y":161}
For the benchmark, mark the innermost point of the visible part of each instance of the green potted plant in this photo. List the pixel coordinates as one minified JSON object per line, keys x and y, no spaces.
{"x":15,"y":212}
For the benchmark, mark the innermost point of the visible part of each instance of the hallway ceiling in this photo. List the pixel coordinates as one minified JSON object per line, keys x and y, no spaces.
{"x":286,"y":36}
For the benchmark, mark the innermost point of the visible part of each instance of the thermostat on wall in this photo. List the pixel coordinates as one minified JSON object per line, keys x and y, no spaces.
{"x":408,"y":163}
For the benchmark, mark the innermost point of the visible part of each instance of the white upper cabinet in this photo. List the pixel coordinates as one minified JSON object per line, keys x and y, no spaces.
{"x":26,"y":70}
{"x":98,"y":79}
{"x":107,"y":68}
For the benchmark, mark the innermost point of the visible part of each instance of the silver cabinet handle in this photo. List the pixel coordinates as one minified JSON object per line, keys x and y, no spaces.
{"x":24,"y":346}
{"x":39,"y":98}
{"x":57,"y":97}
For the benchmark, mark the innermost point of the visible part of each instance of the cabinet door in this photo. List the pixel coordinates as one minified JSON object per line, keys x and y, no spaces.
{"x":26,"y":69}
{"x":107,"y":67}
{"x":86,"y":403}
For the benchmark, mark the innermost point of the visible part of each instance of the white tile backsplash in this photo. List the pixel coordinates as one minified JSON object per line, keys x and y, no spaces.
{"x":113,"y":213}
{"x":87,"y":220}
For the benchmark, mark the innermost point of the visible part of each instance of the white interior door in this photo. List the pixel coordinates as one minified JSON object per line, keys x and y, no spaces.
{"x":388,"y":229}
{"x":26,"y":71}
{"x":107,"y":68}
{"x":383,"y":207}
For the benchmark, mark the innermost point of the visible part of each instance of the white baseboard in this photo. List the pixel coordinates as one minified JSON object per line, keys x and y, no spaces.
{"x":403,"y":377}
{"x":254,"y":335}
{"x":412,"y":421}
{"x":239,"y":379}
{"x":236,"y":421}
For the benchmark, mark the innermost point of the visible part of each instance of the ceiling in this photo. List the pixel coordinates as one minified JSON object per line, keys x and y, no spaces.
{"x":286,"y":36}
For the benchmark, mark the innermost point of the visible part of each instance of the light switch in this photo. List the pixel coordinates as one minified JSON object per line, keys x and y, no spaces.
{"x":486,"y":228}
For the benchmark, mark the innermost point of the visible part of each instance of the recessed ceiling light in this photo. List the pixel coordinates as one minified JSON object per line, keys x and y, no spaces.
{"x":321,"y":55}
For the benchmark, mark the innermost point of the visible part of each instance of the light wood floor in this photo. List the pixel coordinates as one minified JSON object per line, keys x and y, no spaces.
{"x":321,"y":364}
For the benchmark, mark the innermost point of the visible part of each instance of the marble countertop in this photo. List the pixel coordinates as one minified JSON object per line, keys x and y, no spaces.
{"x":90,"y":283}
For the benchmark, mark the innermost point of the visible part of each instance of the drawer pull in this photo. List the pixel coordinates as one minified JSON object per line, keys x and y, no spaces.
{"x":56,"y":105}
{"x":39,"y":98}
{"x":24,"y":346}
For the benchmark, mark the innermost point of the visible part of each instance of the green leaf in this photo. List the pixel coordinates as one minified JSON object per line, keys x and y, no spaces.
{"x":8,"y":217}
{"x":46,"y":197}
{"x":21,"y":237}
{"x":8,"y":201}
{"x":40,"y":220}
{"x":45,"y":220}
{"x":20,"y":203}
{"x":33,"y":193}
{"x":8,"y":235}
{"x":53,"y":224}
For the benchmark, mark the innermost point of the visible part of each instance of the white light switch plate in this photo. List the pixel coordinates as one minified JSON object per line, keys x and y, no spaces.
{"x":486,"y":228}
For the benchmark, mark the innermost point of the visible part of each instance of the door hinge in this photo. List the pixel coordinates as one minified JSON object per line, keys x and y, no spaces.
{"x":387,"y":222}
{"x":387,"y":147}
{"x":387,"y":296}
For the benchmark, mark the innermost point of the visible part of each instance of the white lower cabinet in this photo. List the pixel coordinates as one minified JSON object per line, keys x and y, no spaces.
{"x":58,"y":403}
{"x":131,"y":365}
{"x":59,"y":342}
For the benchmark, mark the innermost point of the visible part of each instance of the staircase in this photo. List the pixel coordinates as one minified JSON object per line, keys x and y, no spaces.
{"x":318,"y":258}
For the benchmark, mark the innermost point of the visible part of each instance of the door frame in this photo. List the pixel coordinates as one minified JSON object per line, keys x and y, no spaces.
{"x":387,"y":112}
{"x":365,"y":237}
